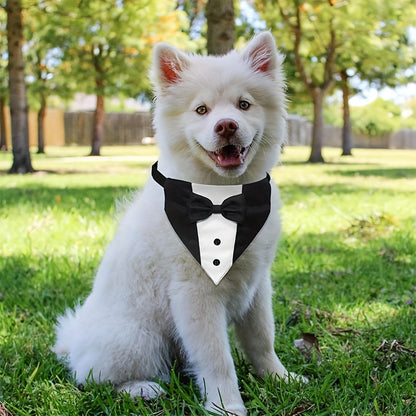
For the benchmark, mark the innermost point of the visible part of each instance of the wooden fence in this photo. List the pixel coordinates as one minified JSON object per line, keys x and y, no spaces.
{"x":122,"y":128}
{"x":119,"y":128}
{"x":72,"y":128}
{"x":300,"y":134}
{"x":54,"y":128}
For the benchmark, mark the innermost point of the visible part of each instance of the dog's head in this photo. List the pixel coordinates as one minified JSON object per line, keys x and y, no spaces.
{"x":221,"y":116}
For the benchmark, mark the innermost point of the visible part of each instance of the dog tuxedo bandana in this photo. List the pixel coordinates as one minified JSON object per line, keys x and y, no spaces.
{"x":215,"y":222}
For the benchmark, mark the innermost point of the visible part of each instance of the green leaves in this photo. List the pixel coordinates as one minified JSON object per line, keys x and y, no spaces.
{"x":371,"y":38}
{"x":377,"y":118}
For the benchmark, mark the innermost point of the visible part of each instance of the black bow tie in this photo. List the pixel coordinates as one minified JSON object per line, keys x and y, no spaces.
{"x":200,"y":208}
{"x":184,"y":208}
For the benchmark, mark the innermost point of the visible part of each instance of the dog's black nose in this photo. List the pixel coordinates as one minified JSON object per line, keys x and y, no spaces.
{"x":226,"y":128}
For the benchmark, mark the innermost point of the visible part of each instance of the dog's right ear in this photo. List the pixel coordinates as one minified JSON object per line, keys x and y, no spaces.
{"x":168,"y":64}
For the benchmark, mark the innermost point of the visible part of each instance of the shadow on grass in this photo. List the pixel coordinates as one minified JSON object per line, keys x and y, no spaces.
{"x":36,"y":284}
{"x":99,"y":199}
{"x":389,"y":173}
{"x":304,"y":193}
{"x":371,"y":260}
{"x":347,"y":162}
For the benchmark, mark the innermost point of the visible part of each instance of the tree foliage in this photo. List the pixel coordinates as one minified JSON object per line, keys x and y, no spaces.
{"x":43,"y":59}
{"x":107,"y":46}
{"x":310,"y":36}
{"x":96,"y":47}
{"x":376,"y":48}
{"x":104,"y":47}
{"x":376,"y":118}
{"x":329,"y":41}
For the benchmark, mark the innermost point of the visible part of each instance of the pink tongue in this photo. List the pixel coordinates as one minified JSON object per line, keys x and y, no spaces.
{"x":226,"y":161}
{"x":228,"y":157}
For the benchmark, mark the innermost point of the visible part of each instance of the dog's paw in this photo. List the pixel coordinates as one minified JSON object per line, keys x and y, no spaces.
{"x":226,"y":410}
{"x":295,"y":378}
{"x":145,"y":389}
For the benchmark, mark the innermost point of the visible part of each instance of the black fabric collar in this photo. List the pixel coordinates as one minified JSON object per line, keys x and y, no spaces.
{"x":161,"y":179}
{"x":178,"y":199}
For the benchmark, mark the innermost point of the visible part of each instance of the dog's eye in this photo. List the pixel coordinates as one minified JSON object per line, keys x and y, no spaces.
{"x":244,"y":105}
{"x":201,"y":110}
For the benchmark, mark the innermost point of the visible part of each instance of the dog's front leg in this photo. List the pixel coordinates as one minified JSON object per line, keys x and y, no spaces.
{"x":255,"y":333}
{"x":201,"y":323}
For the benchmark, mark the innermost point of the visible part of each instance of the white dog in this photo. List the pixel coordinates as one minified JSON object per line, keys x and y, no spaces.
{"x":219,"y":121}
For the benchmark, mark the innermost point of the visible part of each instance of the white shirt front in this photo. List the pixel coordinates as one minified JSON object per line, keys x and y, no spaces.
{"x":216,"y":234}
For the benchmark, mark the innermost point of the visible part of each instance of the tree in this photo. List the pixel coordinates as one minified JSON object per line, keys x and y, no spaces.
{"x":17,"y":89}
{"x":3,"y":142}
{"x":376,"y":48}
{"x":108,"y":47}
{"x":309,"y":35}
{"x":43,"y":58}
{"x":4,"y":89}
{"x":346,"y":135}
{"x":333,"y":40}
{"x":220,"y":26}
{"x":43,"y":102}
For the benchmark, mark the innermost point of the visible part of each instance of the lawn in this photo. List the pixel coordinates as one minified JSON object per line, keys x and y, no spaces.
{"x":344,"y":278}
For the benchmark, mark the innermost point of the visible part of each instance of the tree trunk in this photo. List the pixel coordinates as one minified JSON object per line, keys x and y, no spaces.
{"x":98,"y":128}
{"x":41,"y":124}
{"x":346,"y":128}
{"x":220,"y":26}
{"x":17,"y":89}
{"x":3,"y":143}
{"x":318,"y":126}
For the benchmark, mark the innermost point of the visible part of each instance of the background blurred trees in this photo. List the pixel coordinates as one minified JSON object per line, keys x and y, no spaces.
{"x":100,"y":48}
{"x":43,"y":59}
{"x":329,"y":41}
{"x":104,"y":48}
{"x":107,"y":47}
{"x":376,"y":48}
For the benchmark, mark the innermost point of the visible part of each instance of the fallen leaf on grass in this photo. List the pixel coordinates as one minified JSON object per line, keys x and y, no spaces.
{"x":300,"y":410}
{"x":340,"y":331}
{"x":308,"y":345}
{"x":373,"y":226}
{"x":393,"y":350}
{"x":4,"y":411}
{"x":395,"y":346}
{"x":375,"y":381}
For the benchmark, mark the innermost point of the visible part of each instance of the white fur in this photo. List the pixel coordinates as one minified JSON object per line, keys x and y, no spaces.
{"x":151,"y":302}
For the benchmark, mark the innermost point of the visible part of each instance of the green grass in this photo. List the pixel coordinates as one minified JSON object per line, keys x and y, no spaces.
{"x":345,"y":272}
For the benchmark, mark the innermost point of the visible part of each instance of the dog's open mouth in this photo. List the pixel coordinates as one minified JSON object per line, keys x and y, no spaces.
{"x":229,"y":156}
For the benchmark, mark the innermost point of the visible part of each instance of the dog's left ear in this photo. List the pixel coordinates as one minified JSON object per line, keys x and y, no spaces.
{"x":261,"y":53}
{"x":168,"y":64}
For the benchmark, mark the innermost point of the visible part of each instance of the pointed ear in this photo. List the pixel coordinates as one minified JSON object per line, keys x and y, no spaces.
{"x":168,"y":63}
{"x":261,"y":53}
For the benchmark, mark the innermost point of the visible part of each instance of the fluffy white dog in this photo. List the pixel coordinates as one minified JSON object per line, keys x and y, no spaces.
{"x":219,"y":121}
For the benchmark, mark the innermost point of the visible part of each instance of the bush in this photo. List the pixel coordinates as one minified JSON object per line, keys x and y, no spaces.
{"x":377,"y":118}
